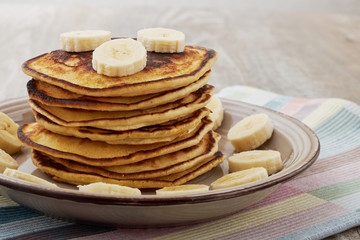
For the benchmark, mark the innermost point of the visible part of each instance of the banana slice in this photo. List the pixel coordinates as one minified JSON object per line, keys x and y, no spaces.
{"x":6,"y":123}
{"x":27,"y":177}
{"x":251,"y":132}
{"x":83,"y":41}
{"x":6,"y":161}
{"x":9,"y":141}
{"x":240,"y":177}
{"x":107,"y":188}
{"x":217,"y":111}
{"x":162,"y":40}
{"x":119,"y":57}
{"x":269,"y":159}
{"x":183,"y":189}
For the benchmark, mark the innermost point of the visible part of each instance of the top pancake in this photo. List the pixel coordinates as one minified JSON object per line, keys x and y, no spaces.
{"x":163,"y":72}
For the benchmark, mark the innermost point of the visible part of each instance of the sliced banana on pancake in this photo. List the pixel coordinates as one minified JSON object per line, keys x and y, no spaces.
{"x":163,"y":72}
{"x":126,"y":120}
{"x":106,"y":188}
{"x":27,"y":177}
{"x":100,"y":153}
{"x":82,"y":41}
{"x":119,"y":57}
{"x":162,"y":40}
{"x":183,"y":189}
{"x":52,"y":95}
{"x":62,"y":174}
{"x":165,"y":132}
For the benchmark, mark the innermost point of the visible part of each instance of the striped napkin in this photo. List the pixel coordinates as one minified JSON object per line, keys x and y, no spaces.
{"x":323,"y":200}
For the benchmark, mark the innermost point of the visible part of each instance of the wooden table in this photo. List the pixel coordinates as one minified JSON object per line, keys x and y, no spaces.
{"x":299,"y":48}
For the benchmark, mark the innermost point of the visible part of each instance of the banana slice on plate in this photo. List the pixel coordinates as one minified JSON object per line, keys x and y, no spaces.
{"x":119,"y":57}
{"x":269,"y":159}
{"x":240,"y":177}
{"x":183,"y":189}
{"x":6,"y":161}
{"x":251,"y":132}
{"x":217,"y":111}
{"x":107,"y":188}
{"x":6,"y":123}
{"x":9,"y":141}
{"x":162,"y":40}
{"x":27,"y":177}
{"x":83,"y":41}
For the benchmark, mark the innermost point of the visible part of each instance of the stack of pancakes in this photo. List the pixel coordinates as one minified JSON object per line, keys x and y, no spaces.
{"x":147,"y":130}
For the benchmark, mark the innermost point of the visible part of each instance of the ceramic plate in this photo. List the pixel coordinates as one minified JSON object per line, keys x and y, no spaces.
{"x":299,"y":147}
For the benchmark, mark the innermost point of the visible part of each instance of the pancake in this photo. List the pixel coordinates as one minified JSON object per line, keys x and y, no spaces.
{"x":98,"y":153}
{"x":62,"y":174}
{"x":126,"y":120}
{"x":151,"y":168}
{"x":52,"y":95}
{"x":168,"y":131}
{"x":163,"y":72}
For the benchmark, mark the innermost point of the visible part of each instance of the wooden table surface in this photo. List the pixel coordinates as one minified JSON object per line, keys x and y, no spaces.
{"x":300,"y":48}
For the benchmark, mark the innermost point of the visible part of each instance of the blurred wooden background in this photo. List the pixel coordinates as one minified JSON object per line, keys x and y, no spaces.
{"x":301,"y":48}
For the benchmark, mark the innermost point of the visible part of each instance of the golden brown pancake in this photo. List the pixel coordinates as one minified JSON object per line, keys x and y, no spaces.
{"x":165,"y":132}
{"x":62,"y":174}
{"x":158,"y":166}
{"x":155,"y":167}
{"x":100,"y":153}
{"x":163,"y":72}
{"x":52,"y":95}
{"x":126,"y":120}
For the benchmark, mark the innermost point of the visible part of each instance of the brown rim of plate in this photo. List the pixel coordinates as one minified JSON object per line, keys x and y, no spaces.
{"x":153,"y":200}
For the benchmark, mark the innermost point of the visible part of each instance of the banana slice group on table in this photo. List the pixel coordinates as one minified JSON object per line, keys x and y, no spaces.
{"x":119,"y":57}
{"x":217,"y":111}
{"x":251,"y":132}
{"x":240,"y":177}
{"x":6,"y":161}
{"x":9,"y":141}
{"x":183,"y":189}
{"x":82,"y":41}
{"x":27,"y":177}
{"x":162,"y":40}
{"x":269,"y":159}
{"x":107,"y":188}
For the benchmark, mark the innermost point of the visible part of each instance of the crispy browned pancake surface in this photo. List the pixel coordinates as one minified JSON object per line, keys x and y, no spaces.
{"x":155,"y":167}
{"x":100,"y":153}
{"x":165,"y":132}
{"x":125,"y":120}
{"x":52,"y":95}
{"x":163,"y":72}
{"x":62,"y":174}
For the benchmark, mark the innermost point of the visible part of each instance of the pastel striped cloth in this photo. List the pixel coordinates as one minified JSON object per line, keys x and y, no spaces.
{"x":322,"y":201}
